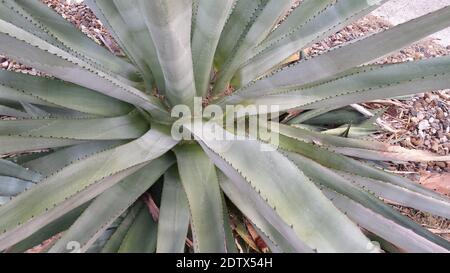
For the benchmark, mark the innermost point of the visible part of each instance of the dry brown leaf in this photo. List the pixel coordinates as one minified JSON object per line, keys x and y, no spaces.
{"x":437,"y":181}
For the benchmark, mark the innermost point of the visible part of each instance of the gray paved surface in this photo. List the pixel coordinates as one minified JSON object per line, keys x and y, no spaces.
{"x":399,"y":11}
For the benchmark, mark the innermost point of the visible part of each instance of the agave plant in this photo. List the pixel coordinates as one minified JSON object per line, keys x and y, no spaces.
{"x":88,"y":148}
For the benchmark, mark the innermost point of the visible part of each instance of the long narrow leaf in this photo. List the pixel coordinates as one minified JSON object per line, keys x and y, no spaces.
{"x":173,"y":220}
{"x":199,"y":179}
{"x":105,"y":209}
{"x":285,"y":188}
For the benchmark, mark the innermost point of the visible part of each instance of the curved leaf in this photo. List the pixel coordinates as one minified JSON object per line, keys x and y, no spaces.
{"x":57,"y":160}
{"x":263,"y":20}
{"x":10,"y":186}
{"x":108,"y":206}
{"x":401,"y":195}
{"x":33,"y":51}
{"x":400,"y":236}
{"x":199,"y":179}
{"x":130,"y":126}
{"x":169,"y":22}
{"x":53,"y":92}
{"x":8,"y":168}
{"x":343,"y":58}
{"x":285,"y":188}
{"x":141,"y":236}
{"x":67,"y":188}
{"x":47,"y":232}
{"x":330,"y":179}
{"x":124,"y":21}
{"x":367,"y":149}
{"x":173,"y":220}
{"x":236,"y":26}
{"x":265,"y":218}
{"x":310,"y":23}
{"x":116,"y":239}
{"x":18,"y":144}
{"x":210,"y":19}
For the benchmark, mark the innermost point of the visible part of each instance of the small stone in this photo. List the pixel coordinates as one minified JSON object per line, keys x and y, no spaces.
{"x":5,"y":64}
{"x":424,"y":125}
{"x":431,"y":120}
{"x":416,"y":141}
{"x":420,"y":116}
{"x":440,"y":114}
{"x":435,"y":146}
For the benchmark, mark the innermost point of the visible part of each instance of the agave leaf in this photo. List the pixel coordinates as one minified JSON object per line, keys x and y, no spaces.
{"x":199,"y":179}
{"x":342,"y":163}
{"x":70,"y":188}
{"x":400,"y":236}
{"x":263,"y":217}
{"x":56,"y":112}
{"x":135,"y":22}
{"x":332,"y":118}
{"x":401,"y":195}
{"x":57,"y":160}
{"x":34,"y":111}
{"x":359,"y":130}
{"x":284,"y":187}
{"x":311,"y":22}
{"x":53,"y":92}
{"x":169,"y":23}
{"x":330,"y":179}
{"x":12,"y":112}
{"x":340,"y":59}
{"x":54,"y":61}
{"x":11,"y":186}
{"x":4,"y":200}
{"x":361,"y":84}
{"x":59,"y":225}
{"x":130,"y":126}
{"x":173,"y":220}
{"x":17,"y":144}
{"x":23,"y":230}
{"x":337,"y":116}
{"x":305,"y":12}
{"x":263,"y":20}
{"x":210,"y":19}
{"x":11,"y":96}
{"x":367,"y":149}
{"x":108,"y":206}
{"x":135,"y":41}
{"x":116,"y":239}
{"x":100,"y":243}
{"x":392,"y":153}
{"x":303,"y":117}
{"x":141,"y":236}
{"x":11,"y":169}
{"x":229,"y":236}
{"x":71,"y":38}
{"x":236,"y":26}
{"x":355,"y":131}
{"x":23,"y":158}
